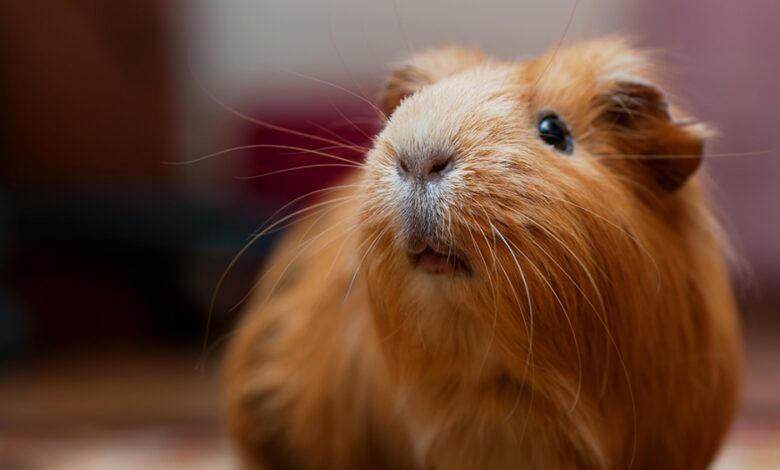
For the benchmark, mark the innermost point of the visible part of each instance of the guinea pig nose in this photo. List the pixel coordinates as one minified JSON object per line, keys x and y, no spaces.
{"x":425,"y":168}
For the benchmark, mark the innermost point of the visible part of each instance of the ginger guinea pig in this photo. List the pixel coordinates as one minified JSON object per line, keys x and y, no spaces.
{"x":524,"y":273}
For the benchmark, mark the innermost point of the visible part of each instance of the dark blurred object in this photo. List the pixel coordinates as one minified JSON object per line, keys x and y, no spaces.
{"x":109,"y":244}
{"x":14,"y":327}
{"x":86,"y":118}
{"x":86,"y":92}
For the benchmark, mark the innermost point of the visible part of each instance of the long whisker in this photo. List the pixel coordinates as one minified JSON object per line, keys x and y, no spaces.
{"x":373,"y":106}
{"x":261,"y":146}
{"x":300,"y":250}
{"x":254,"y":120}
{"x":401,"y":28}
{"x":494,"y":291}
{"x":304,"y":196}
{"x":620,"y":229}
{"x":295,"y":168}
{"x":626,"y":156}
{"x":335,"y":135}
{"x":338,"y":253}
{"x":529,"y":361}
{"x":352,"y":123}
{"x":494,"y":296}
{"x":559,"y":44}
{"x":568,"y":320}
{"x":365,"y":255}
{"x":602,"y":320}
{"x":227,"y":336}
{"x":527,"y":292}
{"x":319,"y":149}
{"x":233,"y":262}
{"x":346,"y":67}
{"x":294,"y":219}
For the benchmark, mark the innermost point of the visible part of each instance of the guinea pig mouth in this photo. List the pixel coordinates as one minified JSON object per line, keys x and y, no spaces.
{"x":437,"y":262}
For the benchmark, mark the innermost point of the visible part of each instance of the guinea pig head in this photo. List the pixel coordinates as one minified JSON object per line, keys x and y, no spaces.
{"x":505,"y":199}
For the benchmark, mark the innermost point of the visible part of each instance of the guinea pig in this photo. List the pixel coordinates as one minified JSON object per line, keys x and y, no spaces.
{"x":524,"y":273}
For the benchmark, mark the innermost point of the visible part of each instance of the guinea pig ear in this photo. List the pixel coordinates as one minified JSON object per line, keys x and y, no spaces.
{"x":644,"y":127}
{"x":424,"y":69}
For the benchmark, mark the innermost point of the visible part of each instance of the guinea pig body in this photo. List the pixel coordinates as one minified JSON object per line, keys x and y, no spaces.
{"x":524,"y":274}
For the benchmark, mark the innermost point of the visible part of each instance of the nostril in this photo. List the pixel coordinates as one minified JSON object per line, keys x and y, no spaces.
{"x":439,"y":167}
{"x":403,"y":166}
{"x":426,"y":168}
{"x":440,"y":164}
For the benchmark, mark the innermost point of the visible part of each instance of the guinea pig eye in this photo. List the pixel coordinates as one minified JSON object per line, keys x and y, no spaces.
{"x":553,"y":131}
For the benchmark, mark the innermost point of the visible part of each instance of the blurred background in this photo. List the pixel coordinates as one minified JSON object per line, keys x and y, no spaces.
{"x":114,"y":228}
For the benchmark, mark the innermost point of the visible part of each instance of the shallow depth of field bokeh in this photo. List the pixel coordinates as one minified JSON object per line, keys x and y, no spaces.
{"x":114,"y":230}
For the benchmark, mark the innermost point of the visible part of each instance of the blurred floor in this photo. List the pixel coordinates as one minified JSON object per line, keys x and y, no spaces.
{"x":154,"y":448}
{"x":158,"y":410}
{"x":127,"y":409}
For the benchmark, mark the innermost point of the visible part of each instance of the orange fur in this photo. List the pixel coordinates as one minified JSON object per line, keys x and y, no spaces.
{"x":596,"y":326}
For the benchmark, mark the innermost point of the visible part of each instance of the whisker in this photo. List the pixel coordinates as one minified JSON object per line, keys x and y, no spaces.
{"x":529,"y":361}
{"x":343,"y":234}
{"x":205,"y":355}
{"x":352,"y":123}
{"x":495,"y":300}
{"x":602,"y":320}
{"x":627,"y":156}
{"x":227,"y":336}
{"x":322,"y":213}
{"x":296,"y":168}
{"x":331,"y":132}
{"x":320,"y":149}
{"x":494,"y":291}
{"x":379,"y":112}
{"x":620,"y":229}
{"x":304,"y":196}
{"x":251,"y":119}
{"x":261,"y":146}
{"x":346,"y":67}
{"x":568,"y":320}
{"x":527,"y":293}
{"x":294,"y":220}
{"x":559,"y":44}
{"x":401,"y":28}
{"x":230,"y":266}
{"x":365,"y":255}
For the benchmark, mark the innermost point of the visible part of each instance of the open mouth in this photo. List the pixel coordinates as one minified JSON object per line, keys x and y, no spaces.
{"x":436,"y":262}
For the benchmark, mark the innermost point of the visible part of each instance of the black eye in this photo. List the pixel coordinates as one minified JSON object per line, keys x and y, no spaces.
{"x":554,"y":132}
